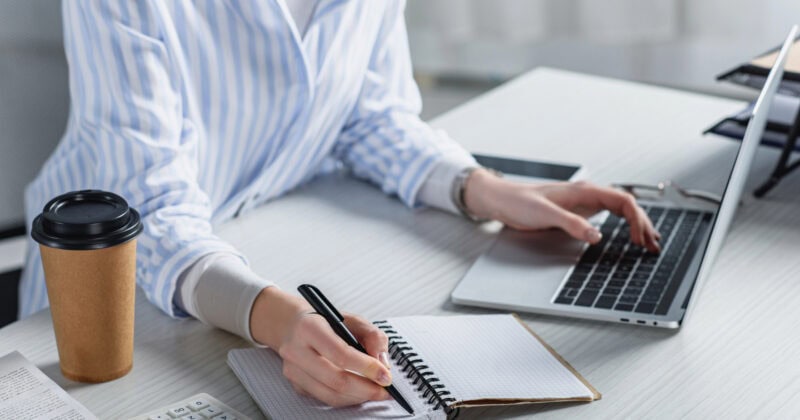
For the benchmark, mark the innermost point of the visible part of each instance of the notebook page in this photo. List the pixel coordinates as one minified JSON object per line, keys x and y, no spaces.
{"x":260,"y":371}
{"x":488,"y":356}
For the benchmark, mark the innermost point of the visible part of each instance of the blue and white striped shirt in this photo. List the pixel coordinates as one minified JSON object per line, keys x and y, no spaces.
{"x":196,"y":111}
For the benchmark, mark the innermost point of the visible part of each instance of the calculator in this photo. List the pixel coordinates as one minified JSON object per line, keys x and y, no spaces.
{"x":196,"y":407}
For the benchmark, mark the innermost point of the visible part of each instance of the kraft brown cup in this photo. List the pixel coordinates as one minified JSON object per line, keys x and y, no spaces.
{"x":92,"y":297}
{"x":88,"y":248}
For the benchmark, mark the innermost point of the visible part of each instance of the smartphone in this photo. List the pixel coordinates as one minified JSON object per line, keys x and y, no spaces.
{"x":531,"y":170}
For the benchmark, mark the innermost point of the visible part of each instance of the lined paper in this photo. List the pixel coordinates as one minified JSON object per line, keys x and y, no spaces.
{"x":489,"y":357}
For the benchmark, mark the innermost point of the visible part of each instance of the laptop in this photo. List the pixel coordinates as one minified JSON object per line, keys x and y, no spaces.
{"x":546,"y":272}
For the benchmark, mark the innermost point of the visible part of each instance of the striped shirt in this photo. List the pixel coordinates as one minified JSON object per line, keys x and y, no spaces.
{"x":198,"y":111}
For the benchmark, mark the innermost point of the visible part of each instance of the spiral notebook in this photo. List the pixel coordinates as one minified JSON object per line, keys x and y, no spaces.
{"x":439,"y":364}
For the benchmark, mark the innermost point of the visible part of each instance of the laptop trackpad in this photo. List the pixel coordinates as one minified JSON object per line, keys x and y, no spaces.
{"x":516,"y":247}
{"x":522,"y":268}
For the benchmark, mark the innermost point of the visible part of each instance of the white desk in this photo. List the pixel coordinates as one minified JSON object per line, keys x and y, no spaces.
{"x":736,"y":358}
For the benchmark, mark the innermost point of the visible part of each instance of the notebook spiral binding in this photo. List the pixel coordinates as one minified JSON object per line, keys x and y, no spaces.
{"x":411,"y":364}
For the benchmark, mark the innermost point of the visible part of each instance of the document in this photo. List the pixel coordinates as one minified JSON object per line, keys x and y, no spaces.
{"x":27,"y":393}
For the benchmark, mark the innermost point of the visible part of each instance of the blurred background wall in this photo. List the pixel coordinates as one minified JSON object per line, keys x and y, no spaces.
{"x":34,"y":97}
{"x":681,"y":43}
{"x":460,"y":48}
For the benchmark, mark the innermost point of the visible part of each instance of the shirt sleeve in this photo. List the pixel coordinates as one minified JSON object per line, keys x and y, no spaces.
{"x":436,"y":191}
{"x":384,"y":139}
{"x":220,"y":290}
{"x":126,"y":103}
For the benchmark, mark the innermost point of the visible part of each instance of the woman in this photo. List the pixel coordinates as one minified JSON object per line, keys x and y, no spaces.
{"x":197,"y":112}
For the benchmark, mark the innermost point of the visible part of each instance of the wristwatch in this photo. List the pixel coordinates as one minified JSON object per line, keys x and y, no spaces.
{"x":459,"y":188}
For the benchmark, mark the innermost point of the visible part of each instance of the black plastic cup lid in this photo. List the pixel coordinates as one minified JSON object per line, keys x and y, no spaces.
{"x":88,"y":219}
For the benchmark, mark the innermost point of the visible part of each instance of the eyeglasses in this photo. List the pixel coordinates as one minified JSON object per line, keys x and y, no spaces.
{"x":668,"y":188}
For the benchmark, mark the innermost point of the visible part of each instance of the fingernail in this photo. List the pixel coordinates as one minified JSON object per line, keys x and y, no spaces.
{"x":384,"y":379}
{"x":593,"y":235}
{"x":384,"y":358}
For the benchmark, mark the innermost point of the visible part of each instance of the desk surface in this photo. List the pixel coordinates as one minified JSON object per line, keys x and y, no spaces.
{"x":735,"y":358}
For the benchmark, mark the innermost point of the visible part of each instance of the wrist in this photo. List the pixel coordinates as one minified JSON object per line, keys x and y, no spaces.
{"x":274,"y":311}
{"x":480,"y":190}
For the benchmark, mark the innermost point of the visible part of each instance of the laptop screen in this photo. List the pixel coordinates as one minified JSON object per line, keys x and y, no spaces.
{"x":744,"y":158}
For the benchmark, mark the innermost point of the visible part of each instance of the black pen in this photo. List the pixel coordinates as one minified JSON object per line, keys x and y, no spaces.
{"x":325,"y":308}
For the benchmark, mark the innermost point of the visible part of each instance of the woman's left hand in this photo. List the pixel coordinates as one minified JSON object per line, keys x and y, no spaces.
{"x":555,"y":205}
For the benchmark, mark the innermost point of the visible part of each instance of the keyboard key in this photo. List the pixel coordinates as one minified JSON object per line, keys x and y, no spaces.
{"x":582,"y":269}
{"x":160,"y":417}
{"x":573,"y":284}
{"x":564,"y":297}
{"x":636,"y":283}
{"x":649,"y":258}
{"x":620,"y":275}
{"x":628,"y":299}
{"x":225,"y":416}
{"x":210,"y":411}
{"x":633,"y":291}
{"x":591,"y":255}
{"x":599,"y":275}
{"x":605,"y":302}
{"x":646,"y":307}
{"x":595,"y":285}
{"x":179,"y":411}
{"x":571,"y":293}
{"x":651,"y":297}
{"x":193,"y":416}
{"x":658,"y":282}
{"x":586,"y":298}
{"x":624,"y":268}
{"x":563,"y":300}
{"x":605,"y":263}
{"x":624,"y":307}
{"x":654,"y":289}
{"x":612,"y":291}
{"x":578,"y":276}
{"x":616,"y":283}
{"x":198,"y":404}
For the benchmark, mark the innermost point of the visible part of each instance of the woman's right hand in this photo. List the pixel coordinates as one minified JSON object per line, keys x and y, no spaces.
{"x":315,"y":360}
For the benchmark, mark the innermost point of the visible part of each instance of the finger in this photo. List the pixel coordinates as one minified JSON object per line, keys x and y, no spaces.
{"x":652,"y":237}
{"x":622,"y":204}
{"x":649,"y":234}
{"x":302,"y":380}
{"x":576,"y":226}
{"x":652,"y":244}
{"x":373,"y":339}
{"x":340,"y":380}
{"x":325,"y":342}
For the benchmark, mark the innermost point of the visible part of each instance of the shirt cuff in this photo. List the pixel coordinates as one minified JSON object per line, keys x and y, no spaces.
{"x":436,"y":190}
{"x":219,"y":290}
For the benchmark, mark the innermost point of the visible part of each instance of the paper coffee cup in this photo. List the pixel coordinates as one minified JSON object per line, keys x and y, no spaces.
{"x":88,"y":246}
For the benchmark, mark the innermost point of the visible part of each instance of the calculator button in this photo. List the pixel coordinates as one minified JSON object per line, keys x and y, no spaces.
{"x":210,"y":411}
{"x":159,"y":417}
{"x":193,"y":416}
{"x":179,"y":411}
{"x":225,"y":416}
{"x":198,"y":404}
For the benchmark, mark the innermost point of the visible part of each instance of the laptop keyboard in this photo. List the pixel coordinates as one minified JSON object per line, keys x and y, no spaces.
{"x":617,"y":275}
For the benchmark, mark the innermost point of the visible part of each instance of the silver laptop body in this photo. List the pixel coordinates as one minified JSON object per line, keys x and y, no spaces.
{"x":548,"y":273}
